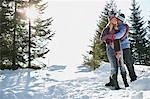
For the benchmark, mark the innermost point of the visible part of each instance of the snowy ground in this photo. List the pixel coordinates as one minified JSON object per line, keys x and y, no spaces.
{"x":70,"y":82}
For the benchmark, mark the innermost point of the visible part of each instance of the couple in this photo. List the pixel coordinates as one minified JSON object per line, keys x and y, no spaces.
{"x":117,"y":30}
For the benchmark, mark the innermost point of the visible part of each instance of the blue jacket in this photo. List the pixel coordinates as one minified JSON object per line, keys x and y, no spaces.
{"x":125,"y":43}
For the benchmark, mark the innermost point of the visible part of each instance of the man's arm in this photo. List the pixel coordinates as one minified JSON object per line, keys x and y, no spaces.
{"x":121,"y":33}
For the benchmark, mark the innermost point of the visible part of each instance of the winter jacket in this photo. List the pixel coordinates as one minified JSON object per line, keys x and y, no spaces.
{"x":108,"y":37}
{"x":125,"y":43}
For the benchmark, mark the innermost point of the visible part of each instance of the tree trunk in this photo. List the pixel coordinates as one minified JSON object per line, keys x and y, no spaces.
{"x":14,"y":40}
{"x":0,"y":34}
{"x":29,"y":50}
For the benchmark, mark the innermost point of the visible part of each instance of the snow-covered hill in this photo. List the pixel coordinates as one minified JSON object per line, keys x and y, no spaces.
{"x":70,"y":82}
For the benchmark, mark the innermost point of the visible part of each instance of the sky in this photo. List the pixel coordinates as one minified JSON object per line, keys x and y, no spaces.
{"x":75,"y":23}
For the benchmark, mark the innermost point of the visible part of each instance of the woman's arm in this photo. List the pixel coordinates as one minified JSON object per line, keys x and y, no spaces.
{"x":105,"y":34}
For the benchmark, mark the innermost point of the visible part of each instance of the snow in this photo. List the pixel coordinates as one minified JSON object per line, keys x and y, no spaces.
{"x":71,"y":82}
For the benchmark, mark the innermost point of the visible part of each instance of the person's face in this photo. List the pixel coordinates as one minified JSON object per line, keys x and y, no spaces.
{"x":113,"y":21}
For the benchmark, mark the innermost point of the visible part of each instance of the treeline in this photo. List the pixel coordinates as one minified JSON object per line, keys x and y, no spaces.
{"x":139,"y":36}
{"x":22,"y":39}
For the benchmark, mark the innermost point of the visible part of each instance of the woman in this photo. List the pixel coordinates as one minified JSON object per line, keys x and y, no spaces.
{"x":109,"y":35}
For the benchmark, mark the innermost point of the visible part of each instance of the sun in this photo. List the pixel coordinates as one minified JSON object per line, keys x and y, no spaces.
{"x":32,"y":13}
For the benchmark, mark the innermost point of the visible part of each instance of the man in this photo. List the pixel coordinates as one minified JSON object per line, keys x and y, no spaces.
{"x":125,"y":44}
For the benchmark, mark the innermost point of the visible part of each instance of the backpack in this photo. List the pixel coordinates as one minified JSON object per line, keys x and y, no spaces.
{"x":127,"y":32}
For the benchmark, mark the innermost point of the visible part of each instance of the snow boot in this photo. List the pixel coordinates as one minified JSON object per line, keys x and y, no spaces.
{"x":132,"y":73}
{"x":115,"y":82}
{"x":124,"y":77}
{"x":110,"y":83}
{"x":133,"y":78}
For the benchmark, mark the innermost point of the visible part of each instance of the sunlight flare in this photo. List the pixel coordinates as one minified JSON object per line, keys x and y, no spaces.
{"x":32,"y":13}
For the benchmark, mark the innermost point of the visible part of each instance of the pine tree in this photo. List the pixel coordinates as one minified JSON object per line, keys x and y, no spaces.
{"x":20,"y":33}
{"x":0,"y":32}
{"x":41,"y":33}
{"x":98,"y":48}
{"x":137,"y":34}
{"x":148,"y":44}
{"x":148,"y":27}
{"x":6,"y":27}
{"x":33,"y":36}
{"x":15,"y":34}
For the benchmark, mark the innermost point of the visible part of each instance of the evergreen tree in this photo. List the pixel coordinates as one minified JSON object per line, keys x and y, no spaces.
{"x":15,"y":34}
{"x":98,"y":48}
{"x":148,"y":45}
{"x":20,"y":39}
{"x":41,"y":33}
{"x":148,"y":27}
{"x":137,"y":35}
{"x":33,"y":36}
{"x":6,"y":28}
{"x":0,"y":32}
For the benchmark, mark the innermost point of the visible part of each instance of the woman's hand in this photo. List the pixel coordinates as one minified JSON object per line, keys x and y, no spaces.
{"x":116,"y":27}
{"x":110,"y":27}
{"x":114,"y":23}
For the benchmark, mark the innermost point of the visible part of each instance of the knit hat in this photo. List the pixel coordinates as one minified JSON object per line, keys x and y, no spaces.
{"x":121,"y":17}
{"x":111,"y":17}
